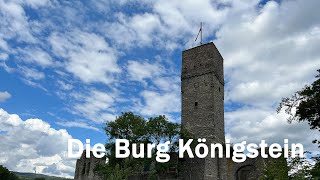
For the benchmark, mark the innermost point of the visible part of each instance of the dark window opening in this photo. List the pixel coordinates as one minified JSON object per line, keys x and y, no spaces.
{"x":219,"y":89}
{"x":196,"y":104}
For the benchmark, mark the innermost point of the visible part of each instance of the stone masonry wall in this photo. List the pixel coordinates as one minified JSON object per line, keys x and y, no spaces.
{"x":85,"y":167}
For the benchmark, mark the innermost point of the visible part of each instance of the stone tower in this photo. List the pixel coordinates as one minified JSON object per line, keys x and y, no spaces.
{"x":202,"y":88}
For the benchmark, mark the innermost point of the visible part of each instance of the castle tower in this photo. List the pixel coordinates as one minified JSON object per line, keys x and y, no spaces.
{"x":202,"y":88}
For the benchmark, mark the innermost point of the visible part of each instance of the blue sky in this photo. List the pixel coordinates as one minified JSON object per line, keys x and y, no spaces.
{"x":66,"y":67}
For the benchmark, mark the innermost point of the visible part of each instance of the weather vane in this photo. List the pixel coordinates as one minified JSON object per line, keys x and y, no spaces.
{"x":199,"y":33}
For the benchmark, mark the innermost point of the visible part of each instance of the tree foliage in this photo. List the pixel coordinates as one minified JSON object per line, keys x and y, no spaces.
{"x":139,"y":130}
{"x":5,"y":174}
{"x":303,"y":168}
{"x":315,"y":171}
{"x":275,"y":169}
{"x":304,"y":105}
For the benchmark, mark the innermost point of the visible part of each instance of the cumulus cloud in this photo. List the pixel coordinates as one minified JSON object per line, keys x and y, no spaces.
{"x":161,"y":95}
{"x":88,"y":56}
{"x":4,"y":96}
{"x":139,"y":71}
{"x":255,"y":124}
{"x":168,"y":83}
{"x":171,"y":21}
{"x":270,"y":52}
{"x":14,"y":22}
{"x":133,"y":31}
{"x":160,"y":103}
{"x":26,"y":144}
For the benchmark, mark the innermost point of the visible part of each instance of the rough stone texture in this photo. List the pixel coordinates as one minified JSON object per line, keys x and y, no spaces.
{"x":248,"y":170}
{"x":85,"y":167}
{"x":202,"y":88}
{"x":252,"y":169}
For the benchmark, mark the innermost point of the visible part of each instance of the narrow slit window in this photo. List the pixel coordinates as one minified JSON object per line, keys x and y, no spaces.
{"x":195,"y":104}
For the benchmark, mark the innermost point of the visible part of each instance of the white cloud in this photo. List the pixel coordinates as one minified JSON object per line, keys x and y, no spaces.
{"x":160,"y":76}
{"x":35,"y":56}
{"x":14,"y":22}
{"x":4,"y":96}
{"x":161,"y":95}
{"x":180,"y":18}
{"x":77,"y":124}
{"x":156,"y":103}
{"x":167,"y":23}
{"x":33,"y":143}
{"x":30,"y":73}
{"x":64,"y":86}
{"x":95,"y":105}
{"x":34,"y":84}
{"x":133,"y":31}
{"x":88,"y":56}
{"x":254,"y":125}
{"x":139,"y":71}
{"x":37,"y":3}
{"x":270,"y":52}
{"x":4,"y":45}
{"x":168,"y":83}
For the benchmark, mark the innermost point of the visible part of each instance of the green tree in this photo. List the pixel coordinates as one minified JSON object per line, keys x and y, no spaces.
{"x":275,"y":169}
{"x":300,"y":168}
{"x":5,"y":174}
{"x":139,"y":130}
{"x":304,"y":105}
{"x":315,"y":171}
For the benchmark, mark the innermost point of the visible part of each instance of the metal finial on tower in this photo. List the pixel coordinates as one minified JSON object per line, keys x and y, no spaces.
{"x":199,"y":33}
